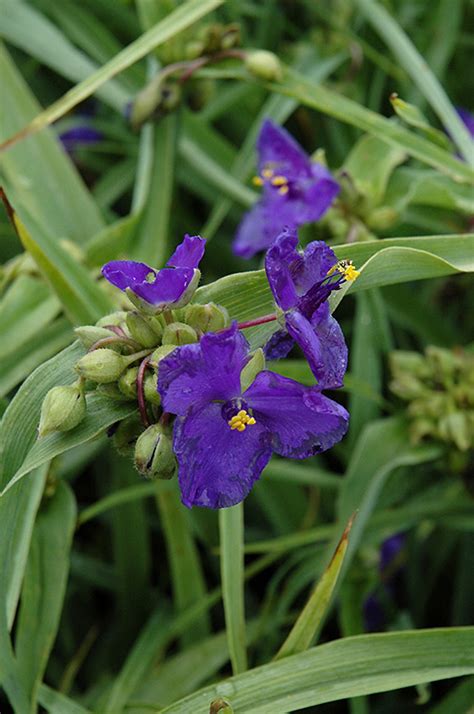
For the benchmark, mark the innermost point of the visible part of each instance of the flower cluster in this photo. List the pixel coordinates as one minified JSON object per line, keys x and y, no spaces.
{"x":207,"y":405}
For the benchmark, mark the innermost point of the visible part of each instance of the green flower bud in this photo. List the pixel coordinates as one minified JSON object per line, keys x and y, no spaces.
{"x":111,"y":391}
{"x":179,"y":334}
{"x":206,"y":318}
{"x":141,"y":330}
{"x":159,"y":354}
{"x":408,"y":387}
{"x":251,"y":369}
{"x":264,"y":65}
{"x":90,"y":334}
{"x":150,"y":389}
{"x":154,"y":457}
{"x":127,"y":433}
{"x":402,"y":362}
{"x":194,"y":49}
{"x":230,"y":36}
{"x":128,"y":382}
{"x":63,"y":408}
{"x":102,"y":366}
{"x":114,"y":318}
{"x":455,"y":428}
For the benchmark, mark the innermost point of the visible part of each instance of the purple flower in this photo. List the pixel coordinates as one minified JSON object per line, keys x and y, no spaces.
{"x":224,"y":435}
{"x":170,"y":287}
{"x":295,"y":191}
{"x":378,"y":603}
{"x":467,"y":119}
{"x":80,"y":135}
{"x":301,"y":284}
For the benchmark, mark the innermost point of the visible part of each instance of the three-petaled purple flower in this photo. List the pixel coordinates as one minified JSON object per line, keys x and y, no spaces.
{"x":171,"y":287}
{"x":295,"y":191}
{"x":224,"y":435}
{"x":301,"y":284}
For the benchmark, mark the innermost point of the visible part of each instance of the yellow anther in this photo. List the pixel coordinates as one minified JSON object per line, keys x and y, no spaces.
{"x":267,"y":173}
{"x":283,"y":190}
{"x":279,"y":181}
{"x":257,"y":181}
{"x":345,"y":268}
{"x":241,"y":420}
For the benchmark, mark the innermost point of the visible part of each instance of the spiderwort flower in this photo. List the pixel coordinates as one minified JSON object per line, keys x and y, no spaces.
{"x":467,"y":119}
{"x":295,"y":191}
{"x":301,"y":284}
{"x":171,"y":287}
{"x":224,"y":435}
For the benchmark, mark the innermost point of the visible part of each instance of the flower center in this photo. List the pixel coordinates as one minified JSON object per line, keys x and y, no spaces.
{"x":241,"y":420}
{"x":346,"y":268}
{"x":279,"y":181}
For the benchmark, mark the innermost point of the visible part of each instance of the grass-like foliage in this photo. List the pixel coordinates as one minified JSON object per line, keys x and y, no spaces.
{"x":188,"y":523}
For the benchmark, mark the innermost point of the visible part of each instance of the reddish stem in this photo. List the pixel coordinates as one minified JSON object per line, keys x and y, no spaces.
{"x":141,"y":393}
{"x":257,"y":321}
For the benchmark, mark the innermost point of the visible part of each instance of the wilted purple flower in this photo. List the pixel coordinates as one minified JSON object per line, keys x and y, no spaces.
{"x":224,"y":435}
{"x":301,"y":284}
{"x":382,"y":599}
{"x":170,"y":287}
{"x":295,"y":191}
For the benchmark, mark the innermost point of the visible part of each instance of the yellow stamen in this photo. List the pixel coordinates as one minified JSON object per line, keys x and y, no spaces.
{"x":279,"y":181}
{"x":241,"y":420}
{"x":345,"y":268}
{"x":267,"y":173}
{"x":283,"y":190}
{"x":257,"y":181}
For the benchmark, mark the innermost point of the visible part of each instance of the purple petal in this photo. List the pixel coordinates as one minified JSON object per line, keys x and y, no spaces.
{"x":217,"y":466}
{"x":278,"y":261}
{"x":279,"y":345}
{"x":312,"y":266}
{"x":301,"y":420}
{"x":168,"y":288}
{"x":322,"y":344}
{"x":79,"y":136}
{"x":195,"y":375}
{"x":189,"y":253}
{"x":252,"y":235}
{"x":390,"y":549}
{"x":317,"y":194}
{"x":126,"y":273}
{"x":277,"y":149}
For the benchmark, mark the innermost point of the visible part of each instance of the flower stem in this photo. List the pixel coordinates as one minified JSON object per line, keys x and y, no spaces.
{"x":141,"y":393}
{"x":258,"y":321}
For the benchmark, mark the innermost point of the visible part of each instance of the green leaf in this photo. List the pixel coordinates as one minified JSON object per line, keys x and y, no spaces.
{"x":39,"y":171}
{"x":24,"y":27}
{"x":25,"y":310}
{"x":151,"y":242}
{"x":18,"y":365}
{"x":57,"y":703}
{"x":83,"y":300}
{"x":101,"y":413}
{"x":370,"y":164}
{"x":309,"y":620}
{"x":420,"y":73}
{"x":428,"y":188}
{"x":345,"y":668}
{"x":44,"y":587}
{"x":112,"y":241}
{"x":184,"y":16}
{"x":183,"y":557}
{"x":231,"y":529}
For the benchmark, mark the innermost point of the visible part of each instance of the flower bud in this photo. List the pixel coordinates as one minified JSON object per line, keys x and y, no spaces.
{"x":455,"y":427}
{"x":128,"y":382}
{"x":412,"y":362}
{"x":90,"y":334}
{"x":206,"y":318}
{"x":264,"y":65}
{"x":154,"y":457}
{"x":127,"y":433}
{"x":63,"y":408}
{"x":102,"y":366}
{"x":150,"y":389}
{"x":114,"y":318}
{"x":179,"y":334}
{"x":251,"y":369}
{"x":140,"y":329}
{"x":159,"y":354}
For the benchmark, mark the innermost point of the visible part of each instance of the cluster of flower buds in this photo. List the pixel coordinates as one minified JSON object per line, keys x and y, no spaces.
{"x":124,"y":351}
{"x":439,"y":387}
